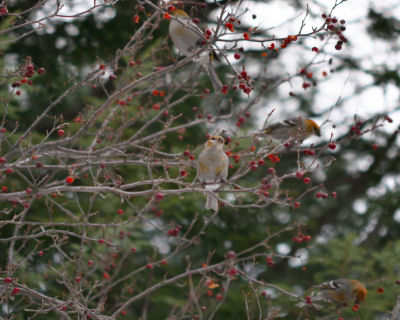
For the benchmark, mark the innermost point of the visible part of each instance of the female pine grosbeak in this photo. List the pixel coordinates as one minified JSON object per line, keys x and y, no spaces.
{"x":296,"y":128}
{"x":188,"y":38}
{"x":340,"y":291}
{"x":212,"y":166}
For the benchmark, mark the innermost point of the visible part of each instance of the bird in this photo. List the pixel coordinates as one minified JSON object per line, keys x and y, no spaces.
{"x":188,"y":38}
{"x":295,"y":128}
{"x":339,"y":291}
{"x":212,"y":166}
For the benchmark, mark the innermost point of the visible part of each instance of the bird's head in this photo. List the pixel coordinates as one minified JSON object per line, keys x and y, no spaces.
{"x":359,"y":291}
{"x":215,"y":141}
{"x":179,"y":13}
{"x":311,"y":127}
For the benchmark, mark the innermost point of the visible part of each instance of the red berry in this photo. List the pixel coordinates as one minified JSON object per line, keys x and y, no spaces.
{"x":236,"y":56}
{"x":78,"y":279}
{"x":254,"y":167}
{"x":15,"y":291}
{"x":332,"y":146}
{"x":269,"y":261}
{"x":40,"y":253}
{"x":315,"y":49}
{"x":306,"y":180}
{"x":41,"y":70}
{"x":271,"y":170}
{"x":18,"y":92}
{"x":149,"y":266}
{"x":3,"y":10}
{"x":388,"y":119}
{"x":297,"y":204}
{"x":229,"y":26}
{"x":69,"y":180}
{"x":159,"y":196}
{"x":380,"y":290}
{"x":246,"y":36}
{"x":299,"y":174}
{"x":120,"y":211}
{"x":219,"y":297}
{"x":7,"y":280}
{"x":90,"y":263}
{"x":101,"y":241}
{"x":375,"y":146}
{"x":60,"y":132}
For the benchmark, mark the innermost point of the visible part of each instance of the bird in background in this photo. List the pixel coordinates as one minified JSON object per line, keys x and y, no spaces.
{"x":341,"y":291}
{"x":212,"y":166}
{"x":296,"y":128}
{"x":188,"y":38}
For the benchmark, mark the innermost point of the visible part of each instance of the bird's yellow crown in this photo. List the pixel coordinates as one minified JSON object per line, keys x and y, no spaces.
{"x":311,"y":126}
{"x":359,"y":290}
{"x":179,"y":13}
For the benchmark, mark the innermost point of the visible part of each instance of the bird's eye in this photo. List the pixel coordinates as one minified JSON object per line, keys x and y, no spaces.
{"x":212,"y":138}
{"x":221,"y":140}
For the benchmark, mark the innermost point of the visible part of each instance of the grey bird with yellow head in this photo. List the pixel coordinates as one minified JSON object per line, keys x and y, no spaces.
{"x":296,"y":128}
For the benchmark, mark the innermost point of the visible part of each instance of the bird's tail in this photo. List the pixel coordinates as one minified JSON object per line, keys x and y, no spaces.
{"x":212,"y":202}
{"x":206,"y":61}
{"x":216,"y":82}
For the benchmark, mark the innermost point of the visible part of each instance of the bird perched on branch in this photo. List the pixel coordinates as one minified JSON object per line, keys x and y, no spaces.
{"x":341,"y":291}
{"x":188,"y":38}
{"x":212,"y":166}
{"x":296,"y":128}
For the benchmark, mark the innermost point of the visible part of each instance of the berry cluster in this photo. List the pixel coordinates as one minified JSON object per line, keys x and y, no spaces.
{"x":244,"y":82}
{"x":174,"y":231}
{"x":336,"y":27}
{"x":27,"y":71}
